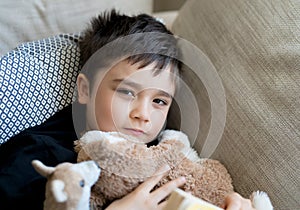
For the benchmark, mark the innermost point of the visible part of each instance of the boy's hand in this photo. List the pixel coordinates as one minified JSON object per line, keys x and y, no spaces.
{"x":235,"y":201}
{"x":144,"y":198}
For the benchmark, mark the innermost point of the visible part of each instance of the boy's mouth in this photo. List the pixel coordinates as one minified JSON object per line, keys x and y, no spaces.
{"x":134,"y":131}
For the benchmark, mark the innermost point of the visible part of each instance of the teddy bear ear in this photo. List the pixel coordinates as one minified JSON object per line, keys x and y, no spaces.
{"x":42,"y":169}
{"x":57,"y":189}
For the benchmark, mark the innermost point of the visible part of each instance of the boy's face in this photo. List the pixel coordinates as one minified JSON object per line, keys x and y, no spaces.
{"x":128,"y":100}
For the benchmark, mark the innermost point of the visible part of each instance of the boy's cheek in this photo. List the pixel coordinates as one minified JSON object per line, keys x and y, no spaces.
{"x":120,"y":106}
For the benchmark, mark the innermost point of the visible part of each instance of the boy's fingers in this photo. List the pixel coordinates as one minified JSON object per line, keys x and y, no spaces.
{"x":156,"y":177}
{"x":162,"y":205}
{"x":236,"y":202}
{"x":165,"y":190}
{"x":232,"y":201}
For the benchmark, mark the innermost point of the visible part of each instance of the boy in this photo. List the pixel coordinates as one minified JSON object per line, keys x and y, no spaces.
{"x":127,"y":91}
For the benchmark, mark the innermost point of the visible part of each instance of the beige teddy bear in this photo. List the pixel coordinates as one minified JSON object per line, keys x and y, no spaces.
{"x":68,"y":185}
{"x":126,"y":163}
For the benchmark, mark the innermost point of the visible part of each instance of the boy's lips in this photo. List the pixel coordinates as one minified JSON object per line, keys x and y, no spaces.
{"x":134,"y":131}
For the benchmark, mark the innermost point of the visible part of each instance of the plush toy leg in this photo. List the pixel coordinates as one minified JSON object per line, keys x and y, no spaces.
{"x":261,"y":201}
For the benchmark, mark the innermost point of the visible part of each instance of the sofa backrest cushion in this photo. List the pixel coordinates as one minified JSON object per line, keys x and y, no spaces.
{"x":255,"y":48}
{"x":23,"y":21}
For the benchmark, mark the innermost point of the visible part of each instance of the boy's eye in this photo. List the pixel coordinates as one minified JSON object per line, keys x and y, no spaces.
{"x":126,"y":92}
{"x":160,"y":102}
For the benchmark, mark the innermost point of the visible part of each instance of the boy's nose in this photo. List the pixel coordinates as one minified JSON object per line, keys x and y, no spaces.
{"x":140,"y":111}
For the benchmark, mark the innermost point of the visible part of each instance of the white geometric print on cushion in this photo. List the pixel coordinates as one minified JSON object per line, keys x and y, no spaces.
{"x":36,"y":80}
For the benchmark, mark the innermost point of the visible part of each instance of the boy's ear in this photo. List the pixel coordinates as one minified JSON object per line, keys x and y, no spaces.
{"x":83,"y":88}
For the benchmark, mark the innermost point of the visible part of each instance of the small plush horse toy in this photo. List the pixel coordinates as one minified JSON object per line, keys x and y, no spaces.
{"x":69,"y":185}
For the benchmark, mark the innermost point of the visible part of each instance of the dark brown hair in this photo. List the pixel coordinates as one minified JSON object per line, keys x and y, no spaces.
{"x":157,"y":43}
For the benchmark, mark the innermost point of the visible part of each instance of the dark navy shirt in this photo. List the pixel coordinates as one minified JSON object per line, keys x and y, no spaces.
{"x":52,"y":143}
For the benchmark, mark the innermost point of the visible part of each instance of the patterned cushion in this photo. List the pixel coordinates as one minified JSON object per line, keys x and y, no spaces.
{"x":36,"y":80}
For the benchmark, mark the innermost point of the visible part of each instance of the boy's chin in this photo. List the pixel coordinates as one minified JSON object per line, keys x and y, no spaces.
{"x":138,"y":139}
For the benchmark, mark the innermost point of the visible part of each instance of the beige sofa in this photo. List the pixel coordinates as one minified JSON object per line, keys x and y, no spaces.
{"x":254,"y":47}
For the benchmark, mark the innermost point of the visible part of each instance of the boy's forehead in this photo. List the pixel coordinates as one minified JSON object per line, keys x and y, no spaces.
{"x":143,"y":77}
